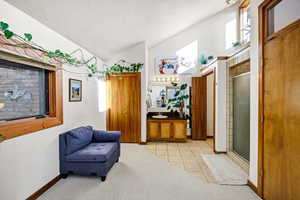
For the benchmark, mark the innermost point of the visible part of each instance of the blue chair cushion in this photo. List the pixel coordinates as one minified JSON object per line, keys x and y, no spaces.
{"x":95,"y":152}
{"x":78,"y":138}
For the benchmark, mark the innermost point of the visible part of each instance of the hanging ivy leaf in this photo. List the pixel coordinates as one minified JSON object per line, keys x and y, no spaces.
{"x":3,"y":26}
{"x":174,"y":84}
{"x":8,"y":34}
{"x":28,"y":36}
{"x":176,"y":93}
{"x":183,"y":86}
{"x":50,"y":54}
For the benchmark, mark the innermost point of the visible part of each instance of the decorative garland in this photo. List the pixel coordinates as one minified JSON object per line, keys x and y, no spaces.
{"x":57,"y":55}
{"x":123,"y":66}
{"x":67,"y":58}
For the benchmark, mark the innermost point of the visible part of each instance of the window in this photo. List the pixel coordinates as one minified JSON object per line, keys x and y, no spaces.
{"x":230,"y":33}
{"x":187,"y":57}
{"x":245,"y":22}
{"x":30,"y":95}
{"x":282,"y":14}
{"x":23,"y":91}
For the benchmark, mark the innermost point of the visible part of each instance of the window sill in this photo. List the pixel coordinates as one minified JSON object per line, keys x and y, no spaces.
{"x":25,"y":126}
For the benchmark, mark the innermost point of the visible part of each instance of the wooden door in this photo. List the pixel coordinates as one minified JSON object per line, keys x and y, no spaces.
{"x":281,"y":114}
{"x":124,"y":105}
{"x":199,"y":106}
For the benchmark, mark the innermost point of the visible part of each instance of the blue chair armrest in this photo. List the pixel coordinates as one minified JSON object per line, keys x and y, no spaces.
{"x":106,"y":136}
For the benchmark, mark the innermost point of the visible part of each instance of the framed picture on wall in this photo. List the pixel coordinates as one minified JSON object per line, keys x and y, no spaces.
{"x":75,"y":90}
{"x":167,"y":65}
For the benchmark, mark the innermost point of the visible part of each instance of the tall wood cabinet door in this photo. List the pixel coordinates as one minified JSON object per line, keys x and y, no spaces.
{"x":124,"y":105}
{"x":281,"y":131}
{"x":199,"y":103}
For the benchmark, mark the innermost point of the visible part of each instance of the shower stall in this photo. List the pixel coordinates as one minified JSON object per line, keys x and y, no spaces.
{"x":241,"y":115}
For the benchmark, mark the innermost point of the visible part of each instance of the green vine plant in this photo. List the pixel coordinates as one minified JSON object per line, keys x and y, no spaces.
{"x":122,"y":66}
{"x":177,"y":103}
{"x":58,"y":55}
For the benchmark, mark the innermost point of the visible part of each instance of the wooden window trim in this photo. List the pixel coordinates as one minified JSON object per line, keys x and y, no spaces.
{"x":244,"y":4}
{"x":21,"y":127}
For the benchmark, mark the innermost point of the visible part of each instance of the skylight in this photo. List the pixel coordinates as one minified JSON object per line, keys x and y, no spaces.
{"x":187,"y":57}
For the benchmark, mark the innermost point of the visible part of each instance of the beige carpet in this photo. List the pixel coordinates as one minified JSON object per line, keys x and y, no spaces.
{"x":141,"y":176}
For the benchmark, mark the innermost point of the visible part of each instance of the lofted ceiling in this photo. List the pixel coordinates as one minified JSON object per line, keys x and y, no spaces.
{"x":106,"y":27}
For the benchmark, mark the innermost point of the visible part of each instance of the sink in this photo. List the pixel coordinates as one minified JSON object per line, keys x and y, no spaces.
{"x":160,"y":116}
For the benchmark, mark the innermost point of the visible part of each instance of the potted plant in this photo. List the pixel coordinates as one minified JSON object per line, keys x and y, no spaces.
{"x":203,"y":59}
{"x":177,"y":103}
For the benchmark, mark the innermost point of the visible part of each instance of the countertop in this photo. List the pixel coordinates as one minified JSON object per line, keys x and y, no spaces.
{"x":171,"y":116}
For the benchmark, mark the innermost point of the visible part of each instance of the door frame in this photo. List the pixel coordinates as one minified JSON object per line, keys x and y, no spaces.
{"x":213,"y":72}
{"x":263,"y":39}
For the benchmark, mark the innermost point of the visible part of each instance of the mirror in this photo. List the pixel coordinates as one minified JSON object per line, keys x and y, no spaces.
{"x":161,"y":94}
{"x":170,"y":92}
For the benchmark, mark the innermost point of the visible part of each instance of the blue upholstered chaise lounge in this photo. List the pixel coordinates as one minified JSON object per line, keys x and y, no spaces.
{"x":85,"y":151}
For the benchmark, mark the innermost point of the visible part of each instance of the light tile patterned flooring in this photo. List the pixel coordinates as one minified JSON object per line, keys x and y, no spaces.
{"x":186,"y":156}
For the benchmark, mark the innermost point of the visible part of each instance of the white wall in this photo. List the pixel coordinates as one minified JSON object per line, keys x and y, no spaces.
{"x":220,"y":112}
{"x":135,"y":54}
{"x":209,"y":32}
{"x":254,"y":64}
{"x":210,"y":105}
{"x":30,"y":161}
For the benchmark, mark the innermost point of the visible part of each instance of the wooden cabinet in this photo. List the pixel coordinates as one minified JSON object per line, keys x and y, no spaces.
{"x":167,"y":130}
{"x":124,"y":105}
{"x":153,"y":130}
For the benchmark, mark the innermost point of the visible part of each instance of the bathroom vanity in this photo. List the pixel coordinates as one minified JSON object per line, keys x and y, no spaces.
{"x":172,"y":128}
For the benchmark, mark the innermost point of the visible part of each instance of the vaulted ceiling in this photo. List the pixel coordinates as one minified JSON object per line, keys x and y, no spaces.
{"x":106,"y":27}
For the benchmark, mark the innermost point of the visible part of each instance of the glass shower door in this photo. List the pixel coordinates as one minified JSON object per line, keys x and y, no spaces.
{"x":241,"y":115}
